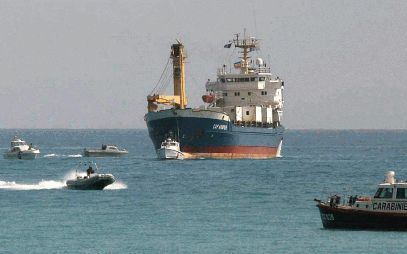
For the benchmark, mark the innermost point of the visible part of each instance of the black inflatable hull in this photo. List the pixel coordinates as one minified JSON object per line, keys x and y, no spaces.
{"x":346,"y":218}
{"x":92,"y":183}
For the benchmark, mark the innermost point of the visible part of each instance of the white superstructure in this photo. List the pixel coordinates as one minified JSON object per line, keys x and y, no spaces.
{"x":253,"y":95}
{"x":20,"y":150}
{"x":390,"y":197}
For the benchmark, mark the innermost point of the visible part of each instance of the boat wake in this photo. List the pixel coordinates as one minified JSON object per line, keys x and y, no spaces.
{"x":42,"y":185}
{"x":51,"y":155}
{"x":116,"y":186}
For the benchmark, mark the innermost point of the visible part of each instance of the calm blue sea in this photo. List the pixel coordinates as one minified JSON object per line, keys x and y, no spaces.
{"x":198,"y":206}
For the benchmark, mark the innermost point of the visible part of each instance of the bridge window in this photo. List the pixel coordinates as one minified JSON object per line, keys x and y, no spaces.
{"x":247,"y":113}
{"x":401,"y":193}
{"x":229,"y":80}
{"x":262,"y":78}
{"x":225,"y":94}
{"x":263,"y":92}
{"x":222,"y":80}
{"x":384,"y":193}
{"x":249,"y":93}
{"x":237,"y":93}
{"x":252,"y":79}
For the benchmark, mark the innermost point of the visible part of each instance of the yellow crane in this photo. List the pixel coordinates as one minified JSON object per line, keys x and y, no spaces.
{"x":179,"y":99}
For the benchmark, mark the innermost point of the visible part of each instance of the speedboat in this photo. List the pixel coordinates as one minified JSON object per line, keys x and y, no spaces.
{"x":20,"y":150}
{"x":106,"y":150}
{"x":170,"y":149}
{"x":91,"y":181}
{"x":386,"y":210}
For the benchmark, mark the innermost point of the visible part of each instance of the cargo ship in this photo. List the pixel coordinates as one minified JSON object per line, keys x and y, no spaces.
{"x":241,"y":115}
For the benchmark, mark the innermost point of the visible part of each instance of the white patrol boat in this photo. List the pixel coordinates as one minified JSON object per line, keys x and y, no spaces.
{"x":20,"y":150}
{"x":106,"y":150}
{"x":169,"y":149}
{"x":386,"y":210}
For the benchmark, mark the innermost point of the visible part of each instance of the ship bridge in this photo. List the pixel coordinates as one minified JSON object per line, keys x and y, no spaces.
{"x":252,"y":94}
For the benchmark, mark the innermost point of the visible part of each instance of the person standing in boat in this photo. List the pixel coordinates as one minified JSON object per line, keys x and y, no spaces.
{"x":90,"y":171}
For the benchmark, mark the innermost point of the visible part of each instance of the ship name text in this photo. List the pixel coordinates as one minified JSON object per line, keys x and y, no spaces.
{"x":390,"y":206}
{"x":327,"y":216}
{"x":220,"y":127}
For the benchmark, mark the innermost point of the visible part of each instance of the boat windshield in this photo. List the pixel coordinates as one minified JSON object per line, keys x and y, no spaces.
{"x":401,"y":193}
{"x":18,"y":143}
{"x":384,"y":193}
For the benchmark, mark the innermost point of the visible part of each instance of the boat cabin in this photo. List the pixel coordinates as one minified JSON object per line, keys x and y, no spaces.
{"x":170,"y":144}
{"x":391,"y":191}
{"x":15,"y":149}
{"x":391,"y":196}
{"x":18,"y":142}
{"x":110,"y":148}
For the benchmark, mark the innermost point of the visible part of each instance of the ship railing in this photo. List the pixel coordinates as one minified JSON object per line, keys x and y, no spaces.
{"x":255,"y":124}
{"x":263,"y":70}
{"x":222,"y":71}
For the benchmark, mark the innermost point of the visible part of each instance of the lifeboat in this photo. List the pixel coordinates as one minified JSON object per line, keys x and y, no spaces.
{"x":208,"y":98}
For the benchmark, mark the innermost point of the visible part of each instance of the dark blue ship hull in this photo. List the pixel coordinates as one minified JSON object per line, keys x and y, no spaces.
{"x":206,"y":134}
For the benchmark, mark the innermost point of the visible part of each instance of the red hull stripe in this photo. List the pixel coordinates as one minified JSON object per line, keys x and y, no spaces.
{"x":254,"y":150}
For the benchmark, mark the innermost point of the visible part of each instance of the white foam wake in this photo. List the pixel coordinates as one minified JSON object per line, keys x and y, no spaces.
{"x":50,"y":155}
{"x":75,"y":156}
{"x":63,"y":155}
{"x":116,"y":186}
{"x":42,"y":185}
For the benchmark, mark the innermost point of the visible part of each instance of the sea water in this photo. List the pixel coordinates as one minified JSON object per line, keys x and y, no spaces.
{"x":193,"y":206}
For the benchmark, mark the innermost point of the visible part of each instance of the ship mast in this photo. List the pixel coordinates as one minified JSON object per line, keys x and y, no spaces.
{"x":248,"y":45}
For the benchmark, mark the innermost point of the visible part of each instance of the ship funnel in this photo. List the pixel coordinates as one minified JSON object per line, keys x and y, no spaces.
{"x":390,"y":177}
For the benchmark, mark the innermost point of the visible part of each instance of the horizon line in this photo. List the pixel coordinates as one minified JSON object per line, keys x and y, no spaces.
{"x":287,"y":129}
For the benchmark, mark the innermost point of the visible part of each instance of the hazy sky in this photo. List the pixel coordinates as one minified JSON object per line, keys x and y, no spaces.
{"x":91,"y":64}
